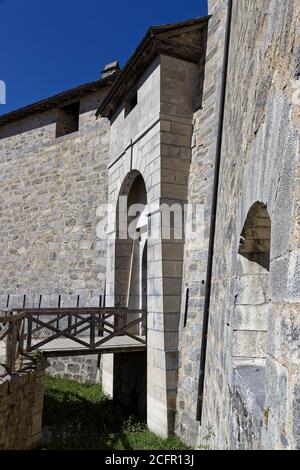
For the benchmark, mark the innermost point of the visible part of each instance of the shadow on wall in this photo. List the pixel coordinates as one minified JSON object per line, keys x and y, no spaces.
{"x":249,"y":321}
{"x":130,"y":382}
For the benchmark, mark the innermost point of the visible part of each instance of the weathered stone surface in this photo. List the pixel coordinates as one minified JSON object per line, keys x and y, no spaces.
{"x":49,"y":238}
{"x":260,"y":162}
{"x":199,"y":192}
{"x":21,"y":408}
{"x":50,"y":190}
{"x":85,"y":369}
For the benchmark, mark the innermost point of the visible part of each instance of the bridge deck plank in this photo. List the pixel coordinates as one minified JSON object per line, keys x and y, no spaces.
{"x":67,"y":347}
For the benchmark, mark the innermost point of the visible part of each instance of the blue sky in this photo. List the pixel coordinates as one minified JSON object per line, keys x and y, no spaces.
{"x":52,"y":45}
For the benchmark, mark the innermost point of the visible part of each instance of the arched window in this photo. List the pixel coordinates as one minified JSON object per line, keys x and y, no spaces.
{"x":256,"y":236}
{"x":249,"y":319}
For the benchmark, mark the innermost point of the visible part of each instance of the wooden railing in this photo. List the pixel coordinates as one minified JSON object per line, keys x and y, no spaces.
{"x":26,"y":331}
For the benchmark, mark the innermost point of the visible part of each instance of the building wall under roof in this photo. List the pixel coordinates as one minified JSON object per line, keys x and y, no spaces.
{"x":50,"y":190}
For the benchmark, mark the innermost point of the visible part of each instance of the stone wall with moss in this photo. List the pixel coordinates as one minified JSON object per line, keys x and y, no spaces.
{"x":21,"y":408}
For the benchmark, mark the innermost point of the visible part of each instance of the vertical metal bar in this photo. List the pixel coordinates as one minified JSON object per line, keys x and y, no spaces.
{"x":24,"y":300}
{"x":76,"y":319}
{"x":7,"y":301}
{"x":40,"y":303}
{"x":186,"y":307}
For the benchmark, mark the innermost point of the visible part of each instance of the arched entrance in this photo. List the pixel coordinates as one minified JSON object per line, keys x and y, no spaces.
{"x":144,"y":268}
{"x":130,"y":289}
{"x":131,"y":235}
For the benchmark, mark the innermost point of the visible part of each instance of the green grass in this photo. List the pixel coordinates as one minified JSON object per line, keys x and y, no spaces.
{"x":82,"y":417}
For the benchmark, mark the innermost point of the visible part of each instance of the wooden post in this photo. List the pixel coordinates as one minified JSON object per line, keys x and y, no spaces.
{"x":69,"y":320}
{"x":11,"y":344}
{"x":9,"y":359}
{"x":29,"y":332}
{"x":92,"y":331}
{"x":100,"y":328}
{"x":21,"y":338}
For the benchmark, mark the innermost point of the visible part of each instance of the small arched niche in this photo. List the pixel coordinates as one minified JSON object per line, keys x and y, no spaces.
{"x":252,"y":301}
{"x":256,"y":236}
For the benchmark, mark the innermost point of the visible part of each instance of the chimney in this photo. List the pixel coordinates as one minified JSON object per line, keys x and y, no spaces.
{"x":109,"y":69}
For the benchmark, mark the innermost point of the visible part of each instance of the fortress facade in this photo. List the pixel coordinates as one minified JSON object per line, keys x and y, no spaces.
{"x":204,"y":119}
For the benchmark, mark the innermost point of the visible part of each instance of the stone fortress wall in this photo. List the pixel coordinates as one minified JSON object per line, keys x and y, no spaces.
{"x":51,"y":188}
{"x":200,"y":187}
{"x":251,"y":394}
{"x":260,"y":162}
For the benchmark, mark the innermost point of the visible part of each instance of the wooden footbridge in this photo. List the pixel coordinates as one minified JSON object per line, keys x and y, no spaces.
{"x":24,"y":333}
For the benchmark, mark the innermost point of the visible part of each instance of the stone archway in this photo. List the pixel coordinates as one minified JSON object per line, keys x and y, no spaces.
{"x":131,"y":176}
{"x":130,"y":280}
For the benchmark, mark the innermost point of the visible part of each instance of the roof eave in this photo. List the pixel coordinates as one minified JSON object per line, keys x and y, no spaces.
{"x":153,"y":44}
{"x":57,"y":100}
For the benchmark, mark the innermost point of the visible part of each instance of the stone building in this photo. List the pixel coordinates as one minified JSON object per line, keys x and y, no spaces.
{"x":203,"y":119}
